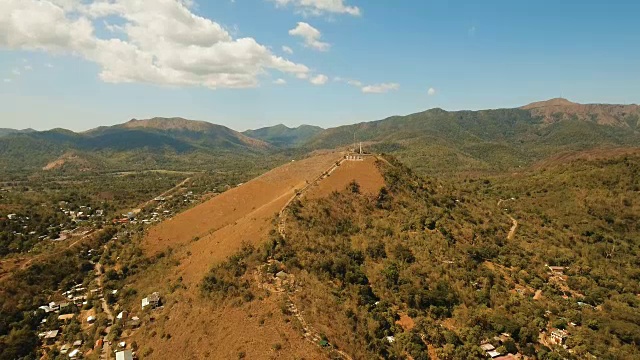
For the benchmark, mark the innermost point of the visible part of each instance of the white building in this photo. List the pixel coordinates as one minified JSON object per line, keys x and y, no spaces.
{"x":124,"y":355}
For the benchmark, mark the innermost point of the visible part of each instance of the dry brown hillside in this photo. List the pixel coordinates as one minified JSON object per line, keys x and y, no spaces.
{"x":603,"y":114}
{"x":365,"y":173}
{"x":216,"y":229}
{"x":191,"y":326}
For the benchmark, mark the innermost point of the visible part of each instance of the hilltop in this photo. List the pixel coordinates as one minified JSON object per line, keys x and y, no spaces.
{"x":5,"y":131}
{"x":555,"y":110}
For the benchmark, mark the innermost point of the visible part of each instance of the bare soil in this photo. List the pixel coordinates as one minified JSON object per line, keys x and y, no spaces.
{"x":365,"y":173}
{"x":191,"y":326}
{"x":216,"y":229}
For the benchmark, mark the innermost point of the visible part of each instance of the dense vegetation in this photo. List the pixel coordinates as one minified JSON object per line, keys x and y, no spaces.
{"x":187,"y":145}
{"x":441,"y":142}
{"x":437,"y":251}
{"x":283,"y":136}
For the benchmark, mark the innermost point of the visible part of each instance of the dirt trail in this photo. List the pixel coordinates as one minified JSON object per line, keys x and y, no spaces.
{"x":164,"y":194}
{"x":336,"y":178}
{"x":514,"y":222}
{"x":215,"y":229}
{"x":514,"y":227}
{"x":106,"y":349}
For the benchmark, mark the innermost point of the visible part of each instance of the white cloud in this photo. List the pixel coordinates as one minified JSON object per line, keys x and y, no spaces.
{"x":280,"y":82}
{"x":162,"y":42}
{"x":310,"y":35}
{"x":287,"y":50}
{"x":431,"y":91}
{"x":319,"y":80}
{"x":369,"y":89}
{"x":472,"y":31}
{"x":351,"y":82}
{"x":6,"y":80}
{"x":28,"y":67}
{"x":320,"y":7}
{"x":380,"y":88}
{"x":48,"y":65}
{"x":15,"y":72}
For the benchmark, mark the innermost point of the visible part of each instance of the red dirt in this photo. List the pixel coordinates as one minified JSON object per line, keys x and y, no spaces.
{"x":198,"y":328}
{"x":241,"y":214}
{"x":199,"y":331}
{"x":365,"y":173}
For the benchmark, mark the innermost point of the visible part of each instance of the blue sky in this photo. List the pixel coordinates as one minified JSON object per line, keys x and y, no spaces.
{"x":471,"y":54}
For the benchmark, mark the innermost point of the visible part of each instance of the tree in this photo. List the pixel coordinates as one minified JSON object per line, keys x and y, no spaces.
{"x":354,"y":187}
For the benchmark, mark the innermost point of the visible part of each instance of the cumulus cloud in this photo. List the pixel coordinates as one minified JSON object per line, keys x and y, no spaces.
{"x":16,"y":72}
{"x":7,"y":80}
{"x":280,"y":82}
{"x":310,"y":35}
{"x":160,"y":41}
{"x":319,"y":79}
{"x":48,"y":65}
{"x":431,"y":91}
{"x":287,"y":50}
{"x":380,"y":88}
{"x":320,"y":7}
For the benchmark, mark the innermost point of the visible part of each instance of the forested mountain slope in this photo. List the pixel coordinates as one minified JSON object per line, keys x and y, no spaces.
{"x":283,"y":136}
{"x":438,"y":141}
{"x":170,"y":143}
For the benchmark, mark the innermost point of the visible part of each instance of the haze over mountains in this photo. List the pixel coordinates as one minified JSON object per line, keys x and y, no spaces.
{"x":434,"y":140}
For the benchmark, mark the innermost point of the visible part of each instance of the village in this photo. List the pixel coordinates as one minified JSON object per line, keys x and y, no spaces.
{"x":84,"y":320}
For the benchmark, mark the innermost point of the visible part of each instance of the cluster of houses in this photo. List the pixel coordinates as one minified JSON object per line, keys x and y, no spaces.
{"x":83,"y":212}
{"x":77,"y":296}
{"x":493,"y":352}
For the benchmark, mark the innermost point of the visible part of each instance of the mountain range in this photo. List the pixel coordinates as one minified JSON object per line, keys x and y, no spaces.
{"x":433,"y":141}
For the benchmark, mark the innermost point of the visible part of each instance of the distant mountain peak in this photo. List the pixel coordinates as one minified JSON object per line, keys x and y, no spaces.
{"x":174,"y":123}
{"x":559,"y":109}
{"x":549,"y":103}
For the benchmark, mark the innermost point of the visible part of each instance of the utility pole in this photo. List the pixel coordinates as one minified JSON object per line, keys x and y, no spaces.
{"x":354,"y":141}
{"x":360,"y":147}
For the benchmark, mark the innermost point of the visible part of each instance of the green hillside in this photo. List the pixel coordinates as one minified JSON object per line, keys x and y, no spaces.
{"x":139,"y":144}
{"x":438,"y":141}
{"x":5,"y":132}
{"x":283,"y":136}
